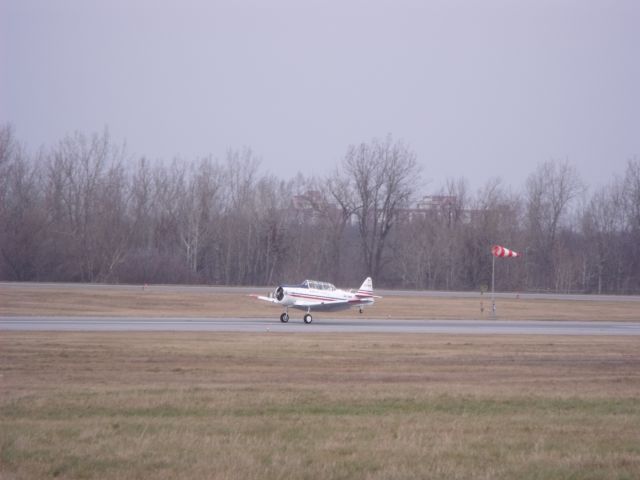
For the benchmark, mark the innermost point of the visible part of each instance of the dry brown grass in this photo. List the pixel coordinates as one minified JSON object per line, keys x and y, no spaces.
{"x":269,"y":406}
{"x":83,"y":300}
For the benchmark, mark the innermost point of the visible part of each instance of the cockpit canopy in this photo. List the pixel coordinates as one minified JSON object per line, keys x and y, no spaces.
{"x":318,"y":285}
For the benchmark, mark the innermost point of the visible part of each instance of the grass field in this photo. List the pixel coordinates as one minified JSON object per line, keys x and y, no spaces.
{"x":268,"y":406}
{"x":150,"y":302}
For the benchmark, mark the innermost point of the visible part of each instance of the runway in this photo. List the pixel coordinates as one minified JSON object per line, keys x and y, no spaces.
{"x":320,"y":325}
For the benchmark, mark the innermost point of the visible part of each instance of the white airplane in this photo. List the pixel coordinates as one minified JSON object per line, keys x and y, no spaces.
{"x":320,"y":296}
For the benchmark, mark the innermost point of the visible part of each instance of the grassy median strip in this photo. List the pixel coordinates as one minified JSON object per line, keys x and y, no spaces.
{"x":268,"y":406}
{"x":149,"y":302}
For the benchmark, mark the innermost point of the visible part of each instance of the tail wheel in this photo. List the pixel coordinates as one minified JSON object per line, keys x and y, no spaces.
{"x":284,"y":318}
{"x":308,"y":318}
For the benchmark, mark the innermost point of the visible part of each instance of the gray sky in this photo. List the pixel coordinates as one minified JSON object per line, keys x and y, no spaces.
{"x":477,"y":89}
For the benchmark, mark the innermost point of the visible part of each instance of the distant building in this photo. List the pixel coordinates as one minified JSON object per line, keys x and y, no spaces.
{"x":308,"y":201}
{"x":440,"y":207}
{"x":437,"y":203}
{"x":312,"y":207}
{"x":308,"y":207}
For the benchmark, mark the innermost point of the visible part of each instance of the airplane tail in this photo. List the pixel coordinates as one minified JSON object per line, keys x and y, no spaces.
{"x":366,"y":289}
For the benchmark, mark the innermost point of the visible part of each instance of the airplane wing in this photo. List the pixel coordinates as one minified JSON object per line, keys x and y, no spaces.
{"x":326,"y":305}
{"x":305,"y":303}
{"x":315,"y":305}
{"x":266,"y":299}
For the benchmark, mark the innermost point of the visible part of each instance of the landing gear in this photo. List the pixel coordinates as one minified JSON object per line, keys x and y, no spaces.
{"x":284,"y":318}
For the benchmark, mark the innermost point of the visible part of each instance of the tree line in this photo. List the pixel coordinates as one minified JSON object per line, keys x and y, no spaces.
{"x":83,"y":211}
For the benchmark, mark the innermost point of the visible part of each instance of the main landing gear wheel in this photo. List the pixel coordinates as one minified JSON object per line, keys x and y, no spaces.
{"x":284,"y":318}
{"x":308,"y":318}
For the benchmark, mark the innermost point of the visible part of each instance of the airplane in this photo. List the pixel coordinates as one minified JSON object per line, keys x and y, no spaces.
{"x":320,"y":296}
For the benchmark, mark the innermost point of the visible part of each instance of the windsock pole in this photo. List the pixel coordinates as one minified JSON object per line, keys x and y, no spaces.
{"x":493,"y":286}
{"x":498,"y":251}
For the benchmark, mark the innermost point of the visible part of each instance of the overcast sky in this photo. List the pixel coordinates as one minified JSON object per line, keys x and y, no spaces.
{"x":476,"y":88}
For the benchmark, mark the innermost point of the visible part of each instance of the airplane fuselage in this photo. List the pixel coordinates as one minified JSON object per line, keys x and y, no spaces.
{"x":306,"y":298}
{"x":311,"y":295}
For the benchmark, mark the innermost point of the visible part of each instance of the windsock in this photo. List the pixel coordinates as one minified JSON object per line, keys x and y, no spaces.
{"x":501,"y":252}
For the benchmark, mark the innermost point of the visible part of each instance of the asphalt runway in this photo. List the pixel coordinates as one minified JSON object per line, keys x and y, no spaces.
{"x":319,"y":325}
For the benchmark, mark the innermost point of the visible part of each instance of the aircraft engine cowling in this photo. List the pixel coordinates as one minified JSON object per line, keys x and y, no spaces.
{"x":279,"y":293}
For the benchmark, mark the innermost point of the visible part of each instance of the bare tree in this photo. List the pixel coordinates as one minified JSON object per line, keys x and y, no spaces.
{"x":550,"y":190}
{"x":169,"y":186}
{"x":85,"y":175}
{"x":77,"y":213}
{"x":22,"y":214}
{"x":8,"y":145}
{"x":238,"y":232}
{"x":198,"y":209}
{"x":631,"y":206}
{"x":333,"y":213}
{"x":382,"y":178}
{"x":631,"y":192}
{"x":141,"y":205}
{"x":602,"y":226}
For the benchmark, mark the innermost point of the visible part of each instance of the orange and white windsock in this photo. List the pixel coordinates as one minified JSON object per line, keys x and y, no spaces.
{"x":502,"y":252}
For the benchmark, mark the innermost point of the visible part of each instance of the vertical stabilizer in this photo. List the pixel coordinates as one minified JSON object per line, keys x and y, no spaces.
{"x":366,"y":288}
